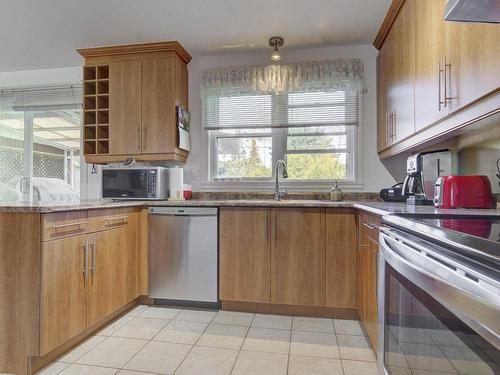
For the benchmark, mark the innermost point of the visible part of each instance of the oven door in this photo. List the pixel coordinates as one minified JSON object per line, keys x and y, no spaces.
{"x":437,"y":315}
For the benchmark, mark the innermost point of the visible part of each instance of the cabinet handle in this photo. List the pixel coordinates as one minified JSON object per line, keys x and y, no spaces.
{"x":386,"y":127}
{"x":94,"y":249}
{"x":79,"y":226}
{"x":85,"y":260}
{"x":440,"y":102}
{"x":368,"y":226}
{"x":393,"y":125}
{"x":143,"y":139}
{"x":138,"y":143}
{"x":375,"y":274}
{"x":447,"y":83}
{"x":118,"y":220}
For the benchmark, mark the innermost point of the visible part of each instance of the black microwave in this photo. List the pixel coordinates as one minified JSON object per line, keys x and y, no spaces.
{"x":136,"y":183}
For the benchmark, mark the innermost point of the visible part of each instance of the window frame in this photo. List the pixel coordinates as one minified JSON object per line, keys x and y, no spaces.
{"x":279,"y":151}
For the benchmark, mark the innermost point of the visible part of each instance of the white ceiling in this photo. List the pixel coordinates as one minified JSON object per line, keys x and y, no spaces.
{"x":38,"y":34}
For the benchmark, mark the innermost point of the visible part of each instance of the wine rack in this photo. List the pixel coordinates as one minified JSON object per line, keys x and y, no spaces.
{"x":96,"y":109}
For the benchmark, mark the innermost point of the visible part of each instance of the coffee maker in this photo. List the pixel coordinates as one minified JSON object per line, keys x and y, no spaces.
{"x":422,"y":171}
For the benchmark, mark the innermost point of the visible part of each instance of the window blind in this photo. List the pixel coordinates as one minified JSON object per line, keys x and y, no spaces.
{"x":335,"y":108}
{"x":41,"y":98}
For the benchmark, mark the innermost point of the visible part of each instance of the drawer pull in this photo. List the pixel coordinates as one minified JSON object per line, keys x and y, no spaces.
{"x":371,"y":227}
{"x":67,"y":227}
{"x":119,"y":220}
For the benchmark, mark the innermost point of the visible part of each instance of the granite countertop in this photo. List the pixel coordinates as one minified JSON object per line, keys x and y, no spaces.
{"x":378,"y":207}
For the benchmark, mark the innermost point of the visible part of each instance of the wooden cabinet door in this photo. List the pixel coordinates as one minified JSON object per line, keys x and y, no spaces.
{"x":371,"y":309}
{"x":245,"y":263}
{"x":298,"y":256}
{"x":383,"y":76}
{"x":109,"y":265}
{"x":159,"y":130}
{"x":361,"y":264}
{"x":429,"y":61}
{"x":125,"y":107}
{"x":401,"y":86}
{"x":63,"y":313}
{"x":472,"y":52}
{"x":341,"y":258}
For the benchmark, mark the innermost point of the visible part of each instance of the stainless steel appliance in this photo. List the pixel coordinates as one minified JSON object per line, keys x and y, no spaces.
{"x":487,"y":11}
{"x":439,"y":295}
{"x":183,"y":253}
{"x":144,"y":183}
{"x":422,"y":170}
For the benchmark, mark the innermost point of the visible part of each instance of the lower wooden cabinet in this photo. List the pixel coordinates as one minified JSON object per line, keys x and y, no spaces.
{"x":340,"y":236}
{"x":245,"y":252}
{"x":298,"y":256}
{"x":367,"y":271}
{"x":109,"y":270}
{"x":289,"y":256}
{"x":63,"y":306}
{"x":85,"y":278}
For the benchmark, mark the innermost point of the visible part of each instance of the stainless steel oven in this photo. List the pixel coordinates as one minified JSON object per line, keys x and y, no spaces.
{"x":439,"y":303}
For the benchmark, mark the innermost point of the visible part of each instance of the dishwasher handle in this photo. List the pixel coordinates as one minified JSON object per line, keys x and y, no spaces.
{"x":183,"y":211}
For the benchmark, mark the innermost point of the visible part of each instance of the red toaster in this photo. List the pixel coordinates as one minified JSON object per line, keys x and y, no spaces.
{"x":463,"y":192}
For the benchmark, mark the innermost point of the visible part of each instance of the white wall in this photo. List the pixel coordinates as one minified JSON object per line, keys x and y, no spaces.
{"x":374,"y":174}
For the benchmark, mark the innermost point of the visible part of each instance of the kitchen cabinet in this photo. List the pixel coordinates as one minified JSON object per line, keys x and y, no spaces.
{"x":109,"y":269}
{"x":434,"y":77}
{"x":245,"y":251}
{"x":92,"y":275}
{"x":125,"y":107}
{"x":396,"y":71}
{"x":63,"y":305}
{"x":340,"y":237}
{"x":471,"y":68}
{"x":161,"y":93}
{"x":288,"y":256}
{"x":429,"y":62}
{"x":298,"y":256}
{"x":367,"y":272}
{"x":130,"y":98}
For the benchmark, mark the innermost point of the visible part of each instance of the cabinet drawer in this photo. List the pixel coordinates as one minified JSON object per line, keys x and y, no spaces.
{"x":109,"y":218}
{"x":369,"y":226}
{"x":64,"y":224}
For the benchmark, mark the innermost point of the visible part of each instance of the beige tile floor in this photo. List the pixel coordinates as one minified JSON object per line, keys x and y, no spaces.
{"x":161,"y":340}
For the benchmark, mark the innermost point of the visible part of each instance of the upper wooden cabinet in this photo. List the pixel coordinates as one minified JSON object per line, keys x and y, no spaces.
{"x":433,"y":76}
{"x":130,"y":98}
{"x":429,"y":61}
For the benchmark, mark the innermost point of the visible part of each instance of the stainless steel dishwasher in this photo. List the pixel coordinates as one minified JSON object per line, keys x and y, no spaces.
{"x":183,"y":254}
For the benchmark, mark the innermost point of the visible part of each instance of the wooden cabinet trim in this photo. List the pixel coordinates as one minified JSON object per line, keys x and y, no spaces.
{"x":386,"y":25}
{"x":139,"y":48}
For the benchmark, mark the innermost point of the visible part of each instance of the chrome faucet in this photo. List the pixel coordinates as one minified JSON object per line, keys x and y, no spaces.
{"x":278,"y":194}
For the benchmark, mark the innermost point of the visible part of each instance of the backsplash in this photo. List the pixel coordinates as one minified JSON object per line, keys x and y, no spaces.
{"x":294,"y":196}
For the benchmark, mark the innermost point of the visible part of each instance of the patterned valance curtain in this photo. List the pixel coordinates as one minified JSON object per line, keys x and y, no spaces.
{"x":311,"y":76}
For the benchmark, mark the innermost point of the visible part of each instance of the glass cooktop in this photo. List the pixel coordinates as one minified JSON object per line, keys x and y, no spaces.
{"x":477,"y":237}
{"x":487,"y":228}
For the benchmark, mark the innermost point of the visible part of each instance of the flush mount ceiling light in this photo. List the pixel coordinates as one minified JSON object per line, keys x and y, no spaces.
{"x":276,"y":42}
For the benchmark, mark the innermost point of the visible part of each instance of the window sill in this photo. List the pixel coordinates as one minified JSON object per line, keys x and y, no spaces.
{"x":292,"y":186}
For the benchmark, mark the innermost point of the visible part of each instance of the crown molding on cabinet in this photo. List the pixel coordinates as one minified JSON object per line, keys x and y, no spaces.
{"x":387,"y":22}
{"x":136,"y":48}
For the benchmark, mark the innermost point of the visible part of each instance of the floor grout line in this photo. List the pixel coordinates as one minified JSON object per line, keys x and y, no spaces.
{"x":211,"y":322}
{"x":243,"y":343}
{"x":198,"y":339}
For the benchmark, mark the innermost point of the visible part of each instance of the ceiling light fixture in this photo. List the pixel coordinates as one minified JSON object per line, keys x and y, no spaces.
{"x":276,"y":42}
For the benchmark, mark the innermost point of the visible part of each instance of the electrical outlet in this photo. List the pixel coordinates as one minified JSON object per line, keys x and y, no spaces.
{"x":195,"y":174}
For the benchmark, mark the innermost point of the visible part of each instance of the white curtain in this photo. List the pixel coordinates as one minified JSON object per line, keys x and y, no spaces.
{"x":311,"y":76}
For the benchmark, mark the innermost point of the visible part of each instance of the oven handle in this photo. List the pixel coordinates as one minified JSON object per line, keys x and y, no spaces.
{"x":474,"y":305}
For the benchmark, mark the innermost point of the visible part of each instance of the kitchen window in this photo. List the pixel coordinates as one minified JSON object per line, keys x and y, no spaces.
{"x":317,"y":148}
{"x":40,"y":136}
{"x":315,"y":131}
